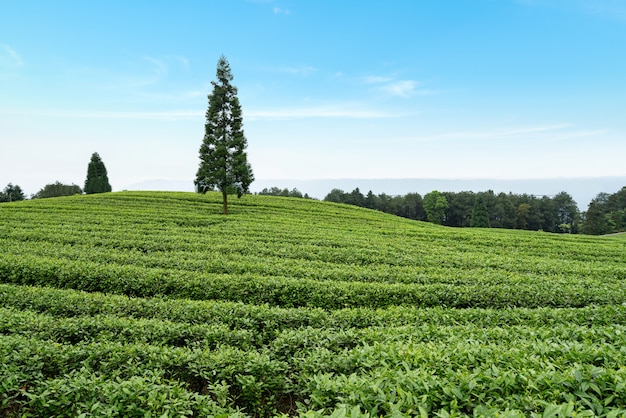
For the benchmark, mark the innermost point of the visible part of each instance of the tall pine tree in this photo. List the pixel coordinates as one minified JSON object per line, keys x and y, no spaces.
{"x":223,"y":161}
{"x":97,"y":179}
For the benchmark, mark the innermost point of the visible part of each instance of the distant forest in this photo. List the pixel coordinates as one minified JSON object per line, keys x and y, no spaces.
{"x":560,"y":214}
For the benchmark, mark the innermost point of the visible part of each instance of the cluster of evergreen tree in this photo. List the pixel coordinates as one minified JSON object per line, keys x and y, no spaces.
{"x":97,"y":182}
{"x":468,"y":209}
{"x":57,"y":189}
{"x":277,"y":191}
{"x":606,"y":214}
{"x":12,"y":193}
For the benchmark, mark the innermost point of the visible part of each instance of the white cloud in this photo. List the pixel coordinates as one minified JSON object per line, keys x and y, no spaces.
{"x":279,"y":11}
{"x":613,"y":9}
{"x":374,"y":79}
{"x":394,"y":87}
{"x":338,"y":110}
{"x":329,"y":111}
{"x":106,"y":114}
{"x":527,"y":130}
{"x":402,"y":88}
{"x":159,"y":67}
{"x":141,"y":71}
{"x":9,"y":57}
{"x":170,"y":97}
{"x":551,"y":133}
{"x":303,"y":70}
{"x":183,"y":61}
{"x":162,"y":115}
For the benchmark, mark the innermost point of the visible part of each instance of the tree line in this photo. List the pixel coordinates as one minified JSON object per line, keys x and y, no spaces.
{"x":277,"y":191}
{"x":97,"y":182}
{"x":13,"y":193}
{"x":560,"y":214}
{"x":606,"y":214}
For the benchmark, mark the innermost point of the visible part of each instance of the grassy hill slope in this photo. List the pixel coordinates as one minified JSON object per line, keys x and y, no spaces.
{"x":144,"y":301}
{"x":296,"y":253}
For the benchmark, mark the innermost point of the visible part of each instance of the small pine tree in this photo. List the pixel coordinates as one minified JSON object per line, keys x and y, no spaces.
{"x":223,"y":160}
{"x":97,"y":179}
{"x":480,"y":217}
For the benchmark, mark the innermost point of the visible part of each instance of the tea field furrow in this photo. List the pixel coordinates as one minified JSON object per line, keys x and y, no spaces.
{"x":283,"y":291}
{"x":70,"y":303}
{"x":124,"y":330}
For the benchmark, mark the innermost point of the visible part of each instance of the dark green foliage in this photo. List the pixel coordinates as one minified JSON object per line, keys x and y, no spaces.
{"x":97,"y":180}
{"x":410,"y":206}
{"x":523,"y":211}
{"x":606,"y":214}
{"x":616,"y":206}
{"x":356,"y":198}
{"x":277,"y":191}
{"x":336,"y":196}
{"x":597,"y":220}
{"x":435,"y":205}
{"x":223,"y":161}
{"x":57,"y":189}
{"x":459,"y":211}
{"x":12,"y":193}
{"x":566,"y":213}
{"x":511,"y":211}
{"x":502,"y":213}
{"x":480,"y":218}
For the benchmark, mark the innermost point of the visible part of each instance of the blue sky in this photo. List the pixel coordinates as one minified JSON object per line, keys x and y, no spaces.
{"x":505,"y":89}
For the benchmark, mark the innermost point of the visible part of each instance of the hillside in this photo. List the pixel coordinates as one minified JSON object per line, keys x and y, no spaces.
{"x":155,"y":301}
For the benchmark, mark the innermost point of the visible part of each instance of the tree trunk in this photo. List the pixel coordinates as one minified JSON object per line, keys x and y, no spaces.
{"x":225,"y":202}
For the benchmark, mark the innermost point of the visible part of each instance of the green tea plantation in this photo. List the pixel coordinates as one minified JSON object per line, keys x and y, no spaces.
{"x":154,"y":304}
